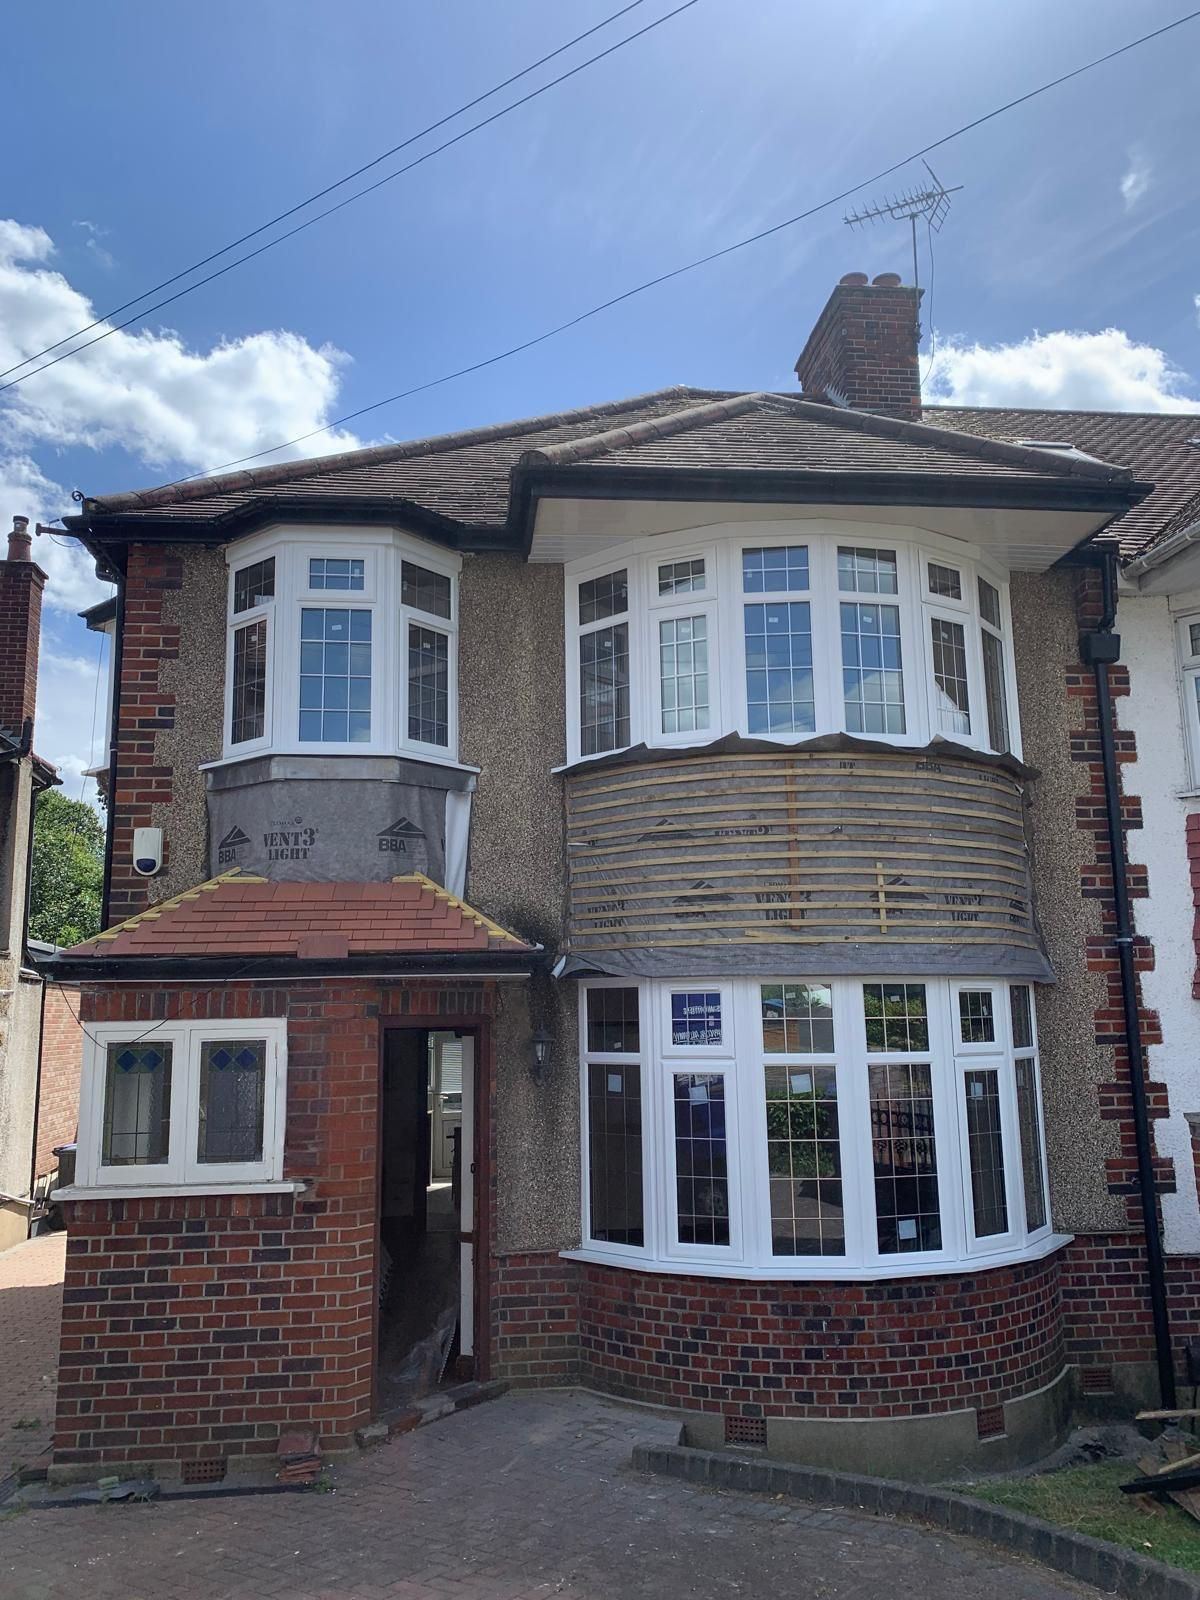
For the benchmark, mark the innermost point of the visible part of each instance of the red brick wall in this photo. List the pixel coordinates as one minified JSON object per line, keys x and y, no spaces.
{"x":909,"y":1347}
{"x":201,"y":1325}
{"x":21,"y":585}
{"x":58,"y":1093}
{"x":864,"y":348}
{"x":145,"y":708}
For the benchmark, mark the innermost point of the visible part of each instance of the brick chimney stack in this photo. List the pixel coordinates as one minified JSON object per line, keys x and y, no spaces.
{"x":21,"y":585}
{"x":863,"y":350}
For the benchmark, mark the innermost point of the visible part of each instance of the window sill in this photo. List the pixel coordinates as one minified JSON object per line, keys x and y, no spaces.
{"x":151,"y":1191}
{"x":339,"y":753}
{"x":819,"y":1269}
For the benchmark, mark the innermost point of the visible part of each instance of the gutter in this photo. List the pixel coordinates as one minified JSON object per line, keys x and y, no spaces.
{"x":219,"y":970}
{"x":1100,"y":649}
{"x":1174,"y":544}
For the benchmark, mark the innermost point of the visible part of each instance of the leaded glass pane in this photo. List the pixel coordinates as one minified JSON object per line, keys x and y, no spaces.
{"x":612,"y":1021}
{"x":232,"y":1083}
{"x":701,"y":1158}
{"x":986,"y":1150}
{"x":904,"y":1155}
{"x":976,"y":1016}
{"x":775,"y":569}
{"x":1194,"y":638}
{"x":604,"y":689}
{"x":1022,"y":1016}
{"x":1029,"y":1119}
{"x":335,"y":573}
{"x":949,"y":641}
{"x":804,"y":1162}
{"x":779,"y":668}
{"x":137,"y":1105}
{"x":864,"y":571}
{"x":335,"y":676}
{"x":872,"y":668}
{"x":615,"y":1153}
{"x":945,"y":582}
{"x":428,"y":686}
{"x":248,"y":718}
{"x":681,"y":577}
{"x":424,"y":590}
{"x":897,"y":1017}
{"x":683,"y":673}
{"x":254,"y":584}
{"x":995,"y":691}
{"x":797,"y":1018}
{"x":696,"y":1017}
{"x":604,"y":597}
{"x":989,"y":602}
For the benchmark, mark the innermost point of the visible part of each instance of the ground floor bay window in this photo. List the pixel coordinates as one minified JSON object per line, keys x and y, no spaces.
{"x":798,"y":1128}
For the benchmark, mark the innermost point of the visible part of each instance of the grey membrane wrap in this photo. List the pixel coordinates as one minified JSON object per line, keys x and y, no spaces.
{"x":833,"y":856}
{"x":339,"y":819}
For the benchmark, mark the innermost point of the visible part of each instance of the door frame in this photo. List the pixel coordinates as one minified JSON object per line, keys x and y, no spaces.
{"x":479,"y":1026}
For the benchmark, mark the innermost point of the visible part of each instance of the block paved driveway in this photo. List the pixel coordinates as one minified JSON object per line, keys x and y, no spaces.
{"x":30,"y":1309}
{"x":526,"y":1498}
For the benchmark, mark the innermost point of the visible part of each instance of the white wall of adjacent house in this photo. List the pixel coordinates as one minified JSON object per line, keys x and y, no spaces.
{"x":1164,"y":777}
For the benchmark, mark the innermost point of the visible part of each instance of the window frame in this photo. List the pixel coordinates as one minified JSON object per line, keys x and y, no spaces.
{"x":724,"y":600}
{"x":743,"y":1060}
{"x":382,"y":553}
{"x":1188,"y":668}
{"x":182,"y":1169}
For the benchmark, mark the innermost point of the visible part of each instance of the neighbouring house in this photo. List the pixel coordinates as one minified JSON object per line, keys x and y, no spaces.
{"x":629,"y":897}
{"x":38,"y":1096}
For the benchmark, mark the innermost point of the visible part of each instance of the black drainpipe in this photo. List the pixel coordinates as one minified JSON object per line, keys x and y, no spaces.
{"x":110,"y":800}
{"x":1101,"y":649}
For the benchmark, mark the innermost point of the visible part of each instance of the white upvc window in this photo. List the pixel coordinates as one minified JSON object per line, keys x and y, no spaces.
{"x":782,"y":633}
{"x":1187,"y":634}
{"x":183,"y":1104}
{"x":343,"y":643}
{"x":800,"y":1128}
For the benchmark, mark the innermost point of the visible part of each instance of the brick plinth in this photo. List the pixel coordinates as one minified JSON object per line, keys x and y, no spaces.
{"x":204,"y":1325}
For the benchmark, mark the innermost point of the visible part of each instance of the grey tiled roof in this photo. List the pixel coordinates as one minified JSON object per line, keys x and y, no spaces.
{"x":1155,"y":444}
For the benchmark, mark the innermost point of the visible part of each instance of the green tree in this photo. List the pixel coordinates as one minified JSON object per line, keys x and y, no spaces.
{"x":68,"y":870}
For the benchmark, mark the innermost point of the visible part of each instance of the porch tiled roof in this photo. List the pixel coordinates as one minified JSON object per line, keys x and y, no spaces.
{"x":240,"y":914}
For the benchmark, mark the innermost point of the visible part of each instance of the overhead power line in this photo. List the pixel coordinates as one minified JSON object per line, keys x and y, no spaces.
{"x":139,"y":316}
{"x":692,"y":266}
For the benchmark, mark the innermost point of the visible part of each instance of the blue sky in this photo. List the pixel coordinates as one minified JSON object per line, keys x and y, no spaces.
{"x":152,"y":134}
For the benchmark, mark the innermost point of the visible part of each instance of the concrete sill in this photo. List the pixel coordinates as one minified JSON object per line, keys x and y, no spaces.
{"x":154,"y":1191}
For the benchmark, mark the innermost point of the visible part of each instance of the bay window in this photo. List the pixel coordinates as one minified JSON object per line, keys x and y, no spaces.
{"x":780,"y":637}
{"x":776,"y":1128}
{"x":183,"y":1103}
{"x":341,"y":653}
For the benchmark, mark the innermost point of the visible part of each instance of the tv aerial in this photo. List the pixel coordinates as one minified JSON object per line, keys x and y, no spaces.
{"x":932,"y":204}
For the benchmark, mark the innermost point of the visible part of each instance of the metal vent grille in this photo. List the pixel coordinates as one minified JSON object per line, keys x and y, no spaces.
{"x":1097,"y":1380}
{"x":989,"y":1422}
{"x":210,"y":1470}
{"x":746,"y":1430}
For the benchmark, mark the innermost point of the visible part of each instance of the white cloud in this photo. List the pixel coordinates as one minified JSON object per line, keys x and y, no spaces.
{"x":1106,"y":371}
{"x":1136,"y":180}
{"x":1196,"y":304}
{"x":175,"y":408}
{"x":94,"y":235}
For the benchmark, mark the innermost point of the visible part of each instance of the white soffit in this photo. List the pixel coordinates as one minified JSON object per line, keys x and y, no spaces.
{"x":1023,"y":541}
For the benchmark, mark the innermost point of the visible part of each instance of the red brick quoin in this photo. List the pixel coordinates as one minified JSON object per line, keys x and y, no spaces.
{"x":199,"y":1326}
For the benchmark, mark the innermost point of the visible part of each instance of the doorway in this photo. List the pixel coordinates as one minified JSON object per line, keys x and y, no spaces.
{"x":426,"y":1190}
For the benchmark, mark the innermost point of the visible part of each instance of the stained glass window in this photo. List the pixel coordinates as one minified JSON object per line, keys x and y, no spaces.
{"x":232,"y":1081}
{"x":137,"y":1104}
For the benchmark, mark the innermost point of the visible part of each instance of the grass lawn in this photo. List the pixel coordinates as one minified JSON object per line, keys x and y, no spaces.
{"x":1089,"y":1500}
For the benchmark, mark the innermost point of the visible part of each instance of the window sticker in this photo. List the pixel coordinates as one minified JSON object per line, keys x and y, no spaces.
{"x":696,"y":1018}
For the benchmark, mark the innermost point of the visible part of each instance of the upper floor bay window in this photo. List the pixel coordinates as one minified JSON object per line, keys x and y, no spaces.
{"x":183,"y":1103}
{"x":342,"y":653}
{"x":799,"y":1128}
{"x":786,"y":636}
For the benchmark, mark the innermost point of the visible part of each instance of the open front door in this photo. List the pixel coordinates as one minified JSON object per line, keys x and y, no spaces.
{"x":466,"y":1318}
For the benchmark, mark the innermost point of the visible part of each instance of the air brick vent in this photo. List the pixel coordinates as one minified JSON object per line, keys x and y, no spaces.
{"x":1097,"y":1380}
{"x":989,"y":1422}
{"x":746,"y":1431}
{"x":209,"y":1470}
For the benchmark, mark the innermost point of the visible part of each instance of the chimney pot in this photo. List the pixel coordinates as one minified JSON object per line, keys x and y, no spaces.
{"x":886,"y":280}
{"x":855,"y":280}
{"x":19,"y":542}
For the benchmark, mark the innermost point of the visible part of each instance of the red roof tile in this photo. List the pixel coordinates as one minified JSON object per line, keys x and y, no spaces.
{"x":240,"y":914}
